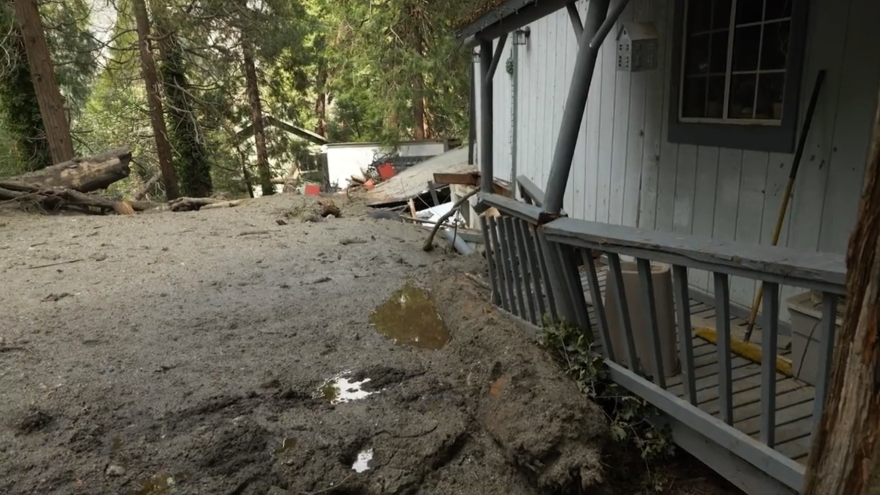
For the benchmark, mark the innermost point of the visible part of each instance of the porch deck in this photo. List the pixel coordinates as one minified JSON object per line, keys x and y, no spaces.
{"x":794,"y":399}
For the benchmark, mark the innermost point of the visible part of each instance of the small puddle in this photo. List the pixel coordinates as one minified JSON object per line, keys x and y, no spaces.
{"x":286,"y":445}
{"x":339,"y":389}
{"x":159,"y":483}
{"x":363,"y":461}
{"x":409,"y":317}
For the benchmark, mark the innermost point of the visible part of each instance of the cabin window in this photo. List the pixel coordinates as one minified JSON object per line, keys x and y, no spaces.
{"x":738,"y":67}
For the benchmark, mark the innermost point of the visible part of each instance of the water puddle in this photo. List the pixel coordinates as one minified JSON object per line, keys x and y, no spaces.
{"x":339,"y":389}
{"x":159,"y":483}
{"x":287,"y":445}
{"x":363,"y":461}
{"x":409,"y":317}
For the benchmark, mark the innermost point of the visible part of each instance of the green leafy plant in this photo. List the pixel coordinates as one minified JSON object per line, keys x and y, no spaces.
{"x":633,"y":420}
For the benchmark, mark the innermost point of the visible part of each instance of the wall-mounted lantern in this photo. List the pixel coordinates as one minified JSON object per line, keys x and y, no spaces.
{"x":476,"y":55}
{"x":521,"y":36}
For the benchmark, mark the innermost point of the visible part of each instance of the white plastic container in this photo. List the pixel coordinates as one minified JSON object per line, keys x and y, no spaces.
{"x":806,"y":335}
{"x":661,"y":275}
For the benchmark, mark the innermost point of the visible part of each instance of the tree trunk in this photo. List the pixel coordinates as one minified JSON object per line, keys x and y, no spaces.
{"x":157,"y":119}
{"x":418,"y":106}
{"x":253,"y":91}
{"x":193,"y":168}
{"x":321,"y":101}
{"x":45,"y":85}
{"x":321,"y":104}
{"x":845,"y":458}
{"x":82,"y":174}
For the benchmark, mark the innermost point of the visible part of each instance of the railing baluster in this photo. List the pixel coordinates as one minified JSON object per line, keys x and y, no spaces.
{"x":508,"y":264}
{"x":500,"y":263}
{"x":514,"y":261}
{"x":623,"y":312}
{"x":490,"y":260}
{"x":769,"y":336}
{"x":826,"y":353}
{"x":722,"y":321}
{"x":528,"y":276}
{"x":647,"y":285}
{"x":543,"y":252}
{"x":685,"y":334}
{"x":574,"y":289}
{"x":598,"y":304}
{"x":532,"y":255}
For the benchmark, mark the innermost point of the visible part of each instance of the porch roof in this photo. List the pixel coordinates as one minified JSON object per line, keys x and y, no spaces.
{"x":492,"y":18}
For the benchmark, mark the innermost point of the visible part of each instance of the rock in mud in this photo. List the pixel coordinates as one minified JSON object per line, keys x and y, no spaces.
{"x":115,"y":470}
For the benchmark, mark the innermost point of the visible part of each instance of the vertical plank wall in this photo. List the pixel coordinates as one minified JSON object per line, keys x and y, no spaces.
{"x":625,"y":172}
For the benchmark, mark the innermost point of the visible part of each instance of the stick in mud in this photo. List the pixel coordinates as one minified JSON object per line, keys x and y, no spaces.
{"x":54,"y":264}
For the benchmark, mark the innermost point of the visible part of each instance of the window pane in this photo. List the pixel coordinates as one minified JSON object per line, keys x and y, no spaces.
{"x":694,"y":97}
{"x":697,"y":55}
{"x":774,"y":49}
{"x":699,"y":16}
{"x":715,"y":98}
{"x":721,"y":14}
{"x":746,"y":43}
{"x":718,"y":55}
{"x":748,"y":11}
{"x":771,"y":88}
{"x":742,"y":96}
{"x":776,"y":9}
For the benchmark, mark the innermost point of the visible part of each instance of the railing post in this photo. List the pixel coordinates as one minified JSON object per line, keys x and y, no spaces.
{"x":486,"y":120}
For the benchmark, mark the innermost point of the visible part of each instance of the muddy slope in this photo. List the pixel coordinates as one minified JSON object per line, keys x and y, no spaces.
{"x":185,"y":354}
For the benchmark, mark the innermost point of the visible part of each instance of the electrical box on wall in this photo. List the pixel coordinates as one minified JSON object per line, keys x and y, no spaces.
{"x":637,"y":46}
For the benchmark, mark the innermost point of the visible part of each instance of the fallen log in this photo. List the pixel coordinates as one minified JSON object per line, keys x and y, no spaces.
{"x":147,"y":187}
{"x":191,"y":204}
{"x":54,"y":198}
{"x":81,"y":174}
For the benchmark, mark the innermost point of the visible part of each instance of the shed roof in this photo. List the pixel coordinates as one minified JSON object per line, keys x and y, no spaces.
{"x":414,"y":180}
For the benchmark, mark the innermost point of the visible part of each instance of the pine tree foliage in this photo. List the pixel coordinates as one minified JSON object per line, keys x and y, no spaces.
{"x":350,"y":70}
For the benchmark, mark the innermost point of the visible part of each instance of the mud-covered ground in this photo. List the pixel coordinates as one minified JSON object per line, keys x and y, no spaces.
{"x":187,"y":353}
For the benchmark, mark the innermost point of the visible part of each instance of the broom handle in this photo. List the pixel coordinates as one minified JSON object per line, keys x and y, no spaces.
{"x":786,"y":197}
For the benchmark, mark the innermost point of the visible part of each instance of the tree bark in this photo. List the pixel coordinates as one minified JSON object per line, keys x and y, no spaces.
{"x":56,"y":197}
{"x":147,"y":187}
{"x":845,"y":458}
{"x":157,"y":119}
{"x":193,"y":168}
{"x":418,"y":105}
{"x":253,"y":91}
{"x":82,"y":174}
{"x":45,"y":85}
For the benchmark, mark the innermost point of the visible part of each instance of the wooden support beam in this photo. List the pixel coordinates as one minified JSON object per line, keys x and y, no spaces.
{"x":471,"y":179}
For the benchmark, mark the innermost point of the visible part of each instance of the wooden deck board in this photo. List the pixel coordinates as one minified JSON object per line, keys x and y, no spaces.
{"x":794,"y":399}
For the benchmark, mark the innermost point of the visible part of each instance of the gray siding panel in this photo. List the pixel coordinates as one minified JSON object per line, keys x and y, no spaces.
{"x":626,"y":172}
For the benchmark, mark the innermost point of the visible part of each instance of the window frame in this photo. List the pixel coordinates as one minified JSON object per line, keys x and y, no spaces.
{"x":770,"y":136}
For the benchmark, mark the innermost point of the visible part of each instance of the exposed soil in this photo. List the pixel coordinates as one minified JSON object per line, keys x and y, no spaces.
{"x":187,"y":353}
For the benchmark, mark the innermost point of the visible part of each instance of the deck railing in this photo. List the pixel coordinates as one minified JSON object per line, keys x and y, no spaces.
{"x":534,"y":267}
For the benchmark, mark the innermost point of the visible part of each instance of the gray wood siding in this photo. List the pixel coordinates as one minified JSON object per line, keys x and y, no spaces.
{"x":625,"y":172}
